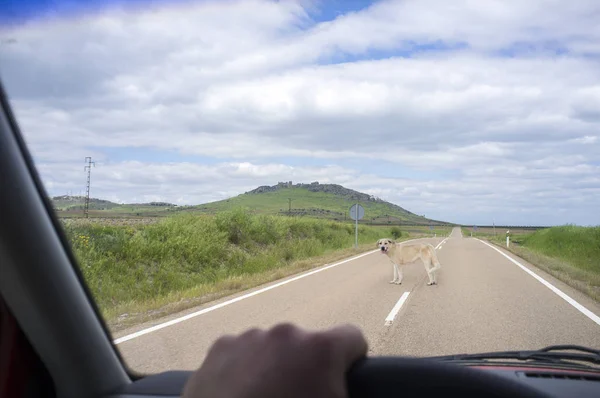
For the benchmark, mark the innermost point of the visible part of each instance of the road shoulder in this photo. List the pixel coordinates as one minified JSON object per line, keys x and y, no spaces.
{"x":572,"y":292}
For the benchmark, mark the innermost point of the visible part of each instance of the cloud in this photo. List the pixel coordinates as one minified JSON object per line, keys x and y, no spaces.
{"x":464,"y":111}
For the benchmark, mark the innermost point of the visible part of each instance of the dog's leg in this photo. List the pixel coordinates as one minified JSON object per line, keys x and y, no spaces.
{"x":431,"y":278}
{"x":395,"y":273}
{"x":427,"y":265}
{"x":431,"y":271}
{"x":400,"y":276}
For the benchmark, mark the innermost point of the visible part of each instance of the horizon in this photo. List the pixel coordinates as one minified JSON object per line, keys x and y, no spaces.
{"x":397,"y":204}
{"x":489,"y":114}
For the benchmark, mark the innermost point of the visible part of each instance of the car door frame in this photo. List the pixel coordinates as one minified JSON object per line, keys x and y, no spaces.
{"x":41,"y":282}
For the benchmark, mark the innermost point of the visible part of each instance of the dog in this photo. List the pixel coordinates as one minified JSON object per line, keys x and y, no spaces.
{"x":405,"y":254}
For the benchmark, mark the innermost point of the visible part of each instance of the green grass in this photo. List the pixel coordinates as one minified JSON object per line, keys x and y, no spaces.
{"x":569,"y":253}
{"x":579,"y":246}
{"x":142,"y":268}
{"x":421,"y":230}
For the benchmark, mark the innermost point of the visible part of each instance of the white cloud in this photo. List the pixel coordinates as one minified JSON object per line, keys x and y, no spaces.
{"x":484,"y":25}
{"x":499,"y":117}
{"x":587,"y":139}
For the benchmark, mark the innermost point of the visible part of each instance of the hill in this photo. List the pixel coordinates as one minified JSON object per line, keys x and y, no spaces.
{"x":329,"y":201}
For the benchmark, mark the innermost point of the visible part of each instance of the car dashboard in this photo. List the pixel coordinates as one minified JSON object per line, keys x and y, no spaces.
{"x":553,"y":382}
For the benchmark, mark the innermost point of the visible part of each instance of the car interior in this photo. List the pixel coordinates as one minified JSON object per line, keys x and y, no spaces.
{"x":54,"y":343}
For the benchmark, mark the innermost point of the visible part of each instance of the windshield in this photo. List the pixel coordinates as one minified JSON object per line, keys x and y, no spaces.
{"x":425,"y":170}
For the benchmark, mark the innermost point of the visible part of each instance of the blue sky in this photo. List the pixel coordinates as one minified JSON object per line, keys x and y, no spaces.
{"x":465,"y":112}
{"x":18,"y":11}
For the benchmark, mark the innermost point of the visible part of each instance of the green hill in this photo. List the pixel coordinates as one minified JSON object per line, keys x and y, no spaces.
{"x":329,"y":201}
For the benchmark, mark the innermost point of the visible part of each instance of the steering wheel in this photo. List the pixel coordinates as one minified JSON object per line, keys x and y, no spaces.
{"x":385,"y":377}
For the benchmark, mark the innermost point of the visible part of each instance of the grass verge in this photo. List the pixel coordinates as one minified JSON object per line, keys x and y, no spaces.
{"x":569,"y":253}
{"x":140,"y":272}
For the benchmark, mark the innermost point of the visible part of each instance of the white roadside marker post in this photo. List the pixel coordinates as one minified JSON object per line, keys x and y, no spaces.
{"x":357,"y":212}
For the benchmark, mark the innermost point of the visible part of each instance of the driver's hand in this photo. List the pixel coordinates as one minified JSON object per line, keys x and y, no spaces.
{"x":285,"y":361}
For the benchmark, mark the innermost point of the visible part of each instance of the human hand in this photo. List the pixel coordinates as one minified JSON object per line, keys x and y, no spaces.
{"x":285,"y":361}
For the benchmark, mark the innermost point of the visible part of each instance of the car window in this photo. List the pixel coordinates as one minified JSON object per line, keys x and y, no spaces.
{"x":425,"y":170}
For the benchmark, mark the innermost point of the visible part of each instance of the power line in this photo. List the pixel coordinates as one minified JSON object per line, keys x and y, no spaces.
{"x":88,"y":168}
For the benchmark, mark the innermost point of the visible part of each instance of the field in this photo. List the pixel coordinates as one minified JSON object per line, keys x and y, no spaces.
{"x":500,"y":232}
{"x":420,"y":230}
{"x":121,"y":211}
{"x":72,"y":207}
{"x":134,"y":214}
{"x":570,"y":253}
{"x":141,"y":270}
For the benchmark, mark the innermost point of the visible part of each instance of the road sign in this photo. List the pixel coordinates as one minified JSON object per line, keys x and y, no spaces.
{"x":357,"y":212}
{"x":361,"y":212}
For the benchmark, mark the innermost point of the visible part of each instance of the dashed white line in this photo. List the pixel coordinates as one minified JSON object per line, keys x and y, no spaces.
{"x":390,"y":318}
{"x":550,"y":286}
{"x":441,"y":243}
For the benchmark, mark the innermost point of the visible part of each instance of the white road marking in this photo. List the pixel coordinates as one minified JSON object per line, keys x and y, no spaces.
{"x":392,"y":315}
{"x":441,"y":243}
{"x":390,"y":318}
{"x":550,"y":286}
{"x":240,"y":298}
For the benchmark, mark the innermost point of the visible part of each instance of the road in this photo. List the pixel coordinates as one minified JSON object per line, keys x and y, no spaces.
{"x":483,"y":302}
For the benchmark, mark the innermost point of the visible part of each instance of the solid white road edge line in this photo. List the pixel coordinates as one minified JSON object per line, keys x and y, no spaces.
{"x":390,"y":318}
{"x":392,"y":315}
{"x":240,"y":298}
{"x":550,"y":286}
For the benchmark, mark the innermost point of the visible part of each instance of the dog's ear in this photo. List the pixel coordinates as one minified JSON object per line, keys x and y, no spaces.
{"x":377,"y":244}
{"x":392,"y":242}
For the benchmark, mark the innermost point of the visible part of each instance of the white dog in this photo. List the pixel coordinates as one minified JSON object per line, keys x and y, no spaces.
{"x":405,"y":254}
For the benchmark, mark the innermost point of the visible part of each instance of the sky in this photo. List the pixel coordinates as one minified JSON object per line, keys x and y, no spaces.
{"x":473,"y":112}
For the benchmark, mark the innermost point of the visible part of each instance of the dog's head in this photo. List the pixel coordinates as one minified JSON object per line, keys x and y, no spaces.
{"x":385,"y":244}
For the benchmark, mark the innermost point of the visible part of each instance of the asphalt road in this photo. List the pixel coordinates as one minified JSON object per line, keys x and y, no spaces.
{"x":483,"y":302}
